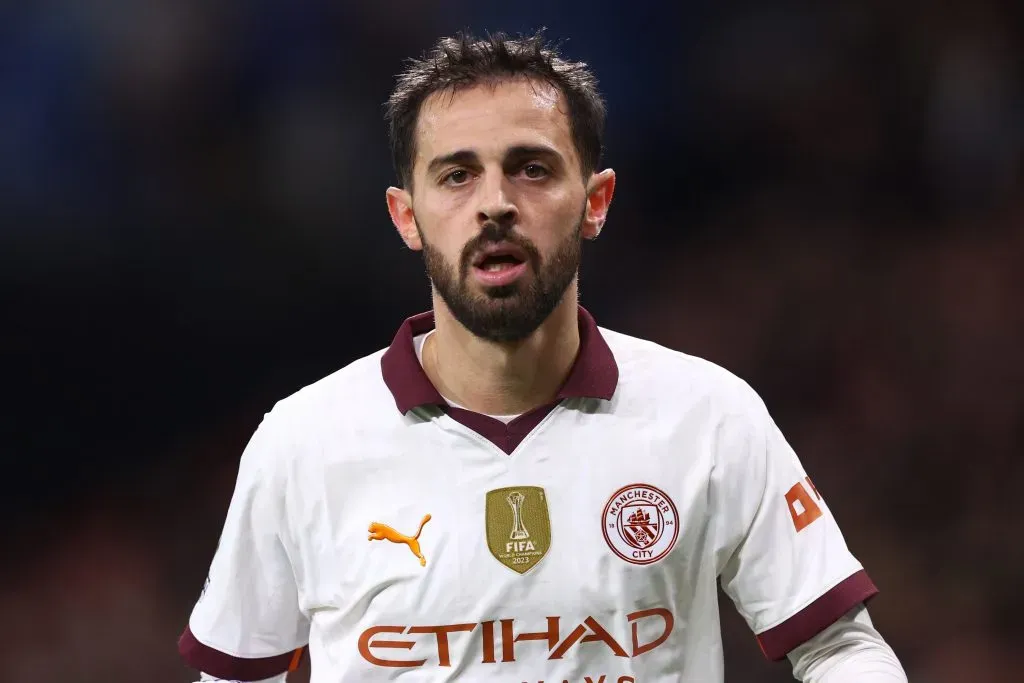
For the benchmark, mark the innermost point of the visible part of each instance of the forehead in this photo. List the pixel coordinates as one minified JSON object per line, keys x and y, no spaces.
{"x":490,"y":117}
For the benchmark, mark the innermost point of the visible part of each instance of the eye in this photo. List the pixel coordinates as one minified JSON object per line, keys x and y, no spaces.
{"x":535,"y":171}
{"x":457,"y":177}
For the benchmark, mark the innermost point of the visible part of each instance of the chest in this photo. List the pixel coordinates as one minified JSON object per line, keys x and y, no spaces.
{"x":443,"y":525}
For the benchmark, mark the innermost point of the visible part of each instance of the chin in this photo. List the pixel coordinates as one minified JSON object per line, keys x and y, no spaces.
{"x":502,"y":292}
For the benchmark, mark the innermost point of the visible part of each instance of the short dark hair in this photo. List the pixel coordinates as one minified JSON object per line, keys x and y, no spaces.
{"x":464,"y":61}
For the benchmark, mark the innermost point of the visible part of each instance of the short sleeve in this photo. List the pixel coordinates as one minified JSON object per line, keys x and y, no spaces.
{"x":247,"y":625}
{"x":783,"y":560}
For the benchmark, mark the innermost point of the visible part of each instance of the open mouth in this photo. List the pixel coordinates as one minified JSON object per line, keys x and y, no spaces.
{"x":493,"y":264}
{"x":499,"y":258}
{"x":500,"y":265}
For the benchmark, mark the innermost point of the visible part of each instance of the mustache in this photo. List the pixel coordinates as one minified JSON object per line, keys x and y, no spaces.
{"x":493,"y":233}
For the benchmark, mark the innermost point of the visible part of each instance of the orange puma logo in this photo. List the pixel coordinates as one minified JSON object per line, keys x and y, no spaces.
{"x":380,"y":532}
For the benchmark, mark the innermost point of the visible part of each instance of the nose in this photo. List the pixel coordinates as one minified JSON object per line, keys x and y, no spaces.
{"x":496,"y":205}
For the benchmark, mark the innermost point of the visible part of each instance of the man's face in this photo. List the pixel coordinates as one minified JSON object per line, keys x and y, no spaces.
{"x":499,"y":201}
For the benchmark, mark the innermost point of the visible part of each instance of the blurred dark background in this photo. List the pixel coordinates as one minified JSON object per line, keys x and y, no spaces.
{"x":828,"y":202}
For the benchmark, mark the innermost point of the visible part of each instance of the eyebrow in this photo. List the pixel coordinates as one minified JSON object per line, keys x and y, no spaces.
{"x":462,"y":157}
{"x":533,"y":151}
{"x":467,"y":157}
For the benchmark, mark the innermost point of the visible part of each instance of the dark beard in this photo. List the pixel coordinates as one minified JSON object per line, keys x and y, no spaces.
{"x":509,"y":313}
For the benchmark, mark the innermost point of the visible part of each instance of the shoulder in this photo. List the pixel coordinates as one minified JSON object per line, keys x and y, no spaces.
{"x":651,"y":372}
{"x":329,"y":410}
{"x":357,"y":387}
{"x":695,"y":400}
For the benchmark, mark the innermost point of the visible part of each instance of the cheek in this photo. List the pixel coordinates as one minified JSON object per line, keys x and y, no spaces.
{"x":554,"y":218}
{"x":441,"y":227}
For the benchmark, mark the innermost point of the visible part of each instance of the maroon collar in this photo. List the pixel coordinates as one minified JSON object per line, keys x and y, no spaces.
{"x":594,"y":374}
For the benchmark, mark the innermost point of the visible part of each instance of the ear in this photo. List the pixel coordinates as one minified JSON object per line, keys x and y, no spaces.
{"x":599,"y":197}
{"x":400,"y":210}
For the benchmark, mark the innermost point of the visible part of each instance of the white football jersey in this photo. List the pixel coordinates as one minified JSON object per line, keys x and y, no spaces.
{"x":400,"y":537}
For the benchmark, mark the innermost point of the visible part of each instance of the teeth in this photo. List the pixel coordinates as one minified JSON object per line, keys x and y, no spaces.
{"x":491,"y":267}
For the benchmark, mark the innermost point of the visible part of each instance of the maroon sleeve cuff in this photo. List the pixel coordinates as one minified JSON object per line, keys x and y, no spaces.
{"x":779,"y":640}
{"x":216,"y":663}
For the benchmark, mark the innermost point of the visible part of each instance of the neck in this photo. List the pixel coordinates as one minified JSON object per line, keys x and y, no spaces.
{"x":502,"y":378}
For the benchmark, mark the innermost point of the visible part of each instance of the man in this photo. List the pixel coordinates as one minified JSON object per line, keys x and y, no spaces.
{"x":510,"y":492}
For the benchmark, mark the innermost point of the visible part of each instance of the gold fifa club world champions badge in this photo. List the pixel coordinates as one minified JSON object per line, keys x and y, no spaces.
{"x":518,"y":526}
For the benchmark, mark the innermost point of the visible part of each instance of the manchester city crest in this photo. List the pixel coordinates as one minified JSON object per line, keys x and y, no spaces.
{"x":640,"y":523}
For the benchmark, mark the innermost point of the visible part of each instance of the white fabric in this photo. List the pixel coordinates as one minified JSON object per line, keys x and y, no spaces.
{"x":295,"y":562}
{"x":206,"y":678}
{"x":769,"y":568}
{"x":418,"y":342}
{"x":249,"y":606}
{"x":848,"y":651}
